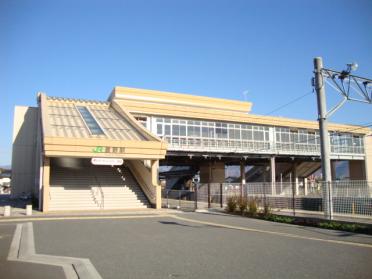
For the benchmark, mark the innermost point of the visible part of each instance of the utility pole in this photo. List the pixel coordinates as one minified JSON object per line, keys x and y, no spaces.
{"x":324,"y":137}
{"x":351,"y":88}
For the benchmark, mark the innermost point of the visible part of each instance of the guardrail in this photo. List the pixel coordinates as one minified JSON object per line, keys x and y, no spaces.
{"x":240,"y":146}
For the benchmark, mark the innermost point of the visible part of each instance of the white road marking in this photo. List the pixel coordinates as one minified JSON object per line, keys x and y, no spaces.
{"x":273,"y":232}
{"x":357,"y":244}
{"x":22,"y":249}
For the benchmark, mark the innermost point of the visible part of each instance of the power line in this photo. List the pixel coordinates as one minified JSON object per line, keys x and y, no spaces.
{"x":290,"y":103}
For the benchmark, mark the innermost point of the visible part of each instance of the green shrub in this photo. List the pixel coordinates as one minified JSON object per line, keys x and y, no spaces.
{"x":242,"y":204}
{"x":252,"y":206}
{"x":267,"y":209}
{"x":333,"y":225}
{"x":232,"y":203}
{"x":280,"y":219}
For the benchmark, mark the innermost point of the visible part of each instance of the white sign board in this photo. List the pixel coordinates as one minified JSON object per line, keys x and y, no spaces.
{"x":107,"y":161}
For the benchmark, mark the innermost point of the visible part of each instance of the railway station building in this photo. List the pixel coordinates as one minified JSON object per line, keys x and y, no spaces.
{"x":75,"y":154}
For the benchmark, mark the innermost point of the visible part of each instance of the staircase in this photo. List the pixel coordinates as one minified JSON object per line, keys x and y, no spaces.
{"x":94,"y":187}
{"x":121,"y":192}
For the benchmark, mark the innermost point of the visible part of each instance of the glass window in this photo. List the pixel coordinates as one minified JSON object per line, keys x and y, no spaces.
{"x":247,"y":134}
{"x":278,"y":137}
{"x":221,"y":130}
{"x":159,"y":129}
{"x":176,"y":130}
{"x":193,"y":131}
{"x":167,"y":130}
{"x":285,"y":137}
{"x":182,"y":130}
{"x":92,"y":124}
{"x":258,"y":135}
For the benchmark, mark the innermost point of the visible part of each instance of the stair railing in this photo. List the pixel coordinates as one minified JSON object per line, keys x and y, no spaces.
{"x":149,"y":191}
{"x":99,"y":190}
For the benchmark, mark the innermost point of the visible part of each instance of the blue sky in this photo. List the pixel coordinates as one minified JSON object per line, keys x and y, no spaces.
{"x":214,"y":48}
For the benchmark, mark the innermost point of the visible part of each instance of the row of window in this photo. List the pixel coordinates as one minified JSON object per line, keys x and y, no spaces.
{"x":201,"y":129}
{"x":174,"y":128}
{"x":300,"y":136}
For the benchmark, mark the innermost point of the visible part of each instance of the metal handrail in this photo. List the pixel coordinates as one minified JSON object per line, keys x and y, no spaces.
{"x":257,"y":146}
{"x":150,"y":192}
{"x":102,"y":203}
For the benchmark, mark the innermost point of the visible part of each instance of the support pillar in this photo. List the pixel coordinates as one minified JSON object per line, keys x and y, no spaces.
{"x":305,"y":187}
{"x":296,"y":186}
{"x":273,"y":175}
{"x":295,"y":179}
{"x":155,"y":182}
{"x":46,"y":184}
{"x":242,"y":178}
{"x":209,"y":183}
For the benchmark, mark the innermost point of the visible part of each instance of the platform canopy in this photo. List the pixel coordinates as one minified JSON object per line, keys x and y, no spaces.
{"x":84,"y":128}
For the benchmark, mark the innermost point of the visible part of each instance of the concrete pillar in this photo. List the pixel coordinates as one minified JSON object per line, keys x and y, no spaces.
{"x":29,"y":209}
{"x":155,"y":182}
{"x":295,"y":179}
{"x":7,"y":211}
{"x":273,"y":175}
{"x":305,"y":187}
{"x":46,"y":181}
{"x":242,"y":177}
{"x":296,"y":186}
{"x":209,"y":183}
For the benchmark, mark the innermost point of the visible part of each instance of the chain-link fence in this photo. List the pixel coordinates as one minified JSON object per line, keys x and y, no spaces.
{"x":345,"y":198}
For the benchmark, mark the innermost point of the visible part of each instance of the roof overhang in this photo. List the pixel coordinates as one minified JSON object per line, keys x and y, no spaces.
{"x":87,"y":148}
{"x":145,"y":146}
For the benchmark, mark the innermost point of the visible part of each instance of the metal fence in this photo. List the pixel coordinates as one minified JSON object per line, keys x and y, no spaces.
{"x":346,"y":198}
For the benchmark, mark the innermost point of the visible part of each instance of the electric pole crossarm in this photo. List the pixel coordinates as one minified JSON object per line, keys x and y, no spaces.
{"x":347,"y":84}
{"x":331,"y":76}
{"x":362,"y":87}
{"x":336,"y":107}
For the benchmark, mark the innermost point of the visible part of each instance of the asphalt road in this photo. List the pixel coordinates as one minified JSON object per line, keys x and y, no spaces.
{"x":195,"y":246}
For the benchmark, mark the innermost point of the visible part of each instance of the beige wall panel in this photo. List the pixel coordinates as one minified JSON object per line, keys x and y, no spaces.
{"x":105,"y":155}
{"x":105,"y":142}
{"x":136,"y":107}
{"x":179,"y":98}
{"x":89,"y":149}
{"x":368,"y":158}
{"x":24,"y":157}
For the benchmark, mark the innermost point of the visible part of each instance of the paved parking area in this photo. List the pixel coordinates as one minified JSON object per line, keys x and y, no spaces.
{"x":193,"y":245}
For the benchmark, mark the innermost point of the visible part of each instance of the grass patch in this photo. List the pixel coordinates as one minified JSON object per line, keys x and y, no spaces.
{"x":311,"y":222}
{"x":333,"y":225}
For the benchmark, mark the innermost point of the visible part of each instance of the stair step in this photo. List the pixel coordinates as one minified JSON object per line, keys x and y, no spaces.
{"x":72,"y":189}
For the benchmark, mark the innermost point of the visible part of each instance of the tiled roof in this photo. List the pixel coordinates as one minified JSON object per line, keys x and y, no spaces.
{"x":66,"y":121}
